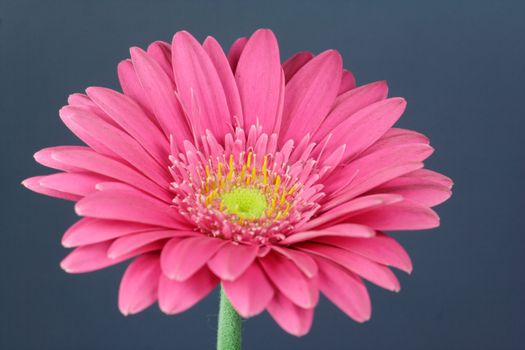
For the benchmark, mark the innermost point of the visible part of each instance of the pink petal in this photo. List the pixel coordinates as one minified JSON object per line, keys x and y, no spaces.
{"x":176,"y":296}
{"x":76,"y":184}
{"x":90,"y":140}
{"x":160,"y":51}
{"x":235,"y":52}
{"x":131,"y":87}
{"x":374,"y":179}
{"x":418,"y":190}
{"x":347,"y":82}
{"x":199,"y":86}
{"x":89,"y":231}
{"x":303,"y":261}
{"x":45,"y":157}
{"x":395,"y":137}
{"x":344,"y":289}
{"x":372,"y":170}
{"x":89,"y":160}
{"x":292,"y":318}
{"x":432,"y":176}
{"x":83,"y":102}
{"x":367,"y":125}
{"x":294,"y":63}
{"x":310,"y":94}
{"x":139,"y":284}
{"x":232,"y":260}
{"x":33,"y":184}
{"x":126,"y":113}
{"x":381,"y":248}
{"x":127,"y":243}
{"x":357,"y":205}
{"x":94,"y":257}
{"x":250,"y":293}
{"x":406,"y":215}
{"x":258,"y":76}
{"x":180,"y":259}
{"x":222,"y":66}
{"x":159,"y":89}
{"x":287,"y":277}
{"x":128,"y":205}
{"x":116,"y":141}
{"x":341,"y":230}
{"x":374,"y":272}
{"x":349,"y":103}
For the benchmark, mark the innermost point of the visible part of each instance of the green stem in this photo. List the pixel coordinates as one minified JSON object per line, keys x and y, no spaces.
{"x":229,"y":331}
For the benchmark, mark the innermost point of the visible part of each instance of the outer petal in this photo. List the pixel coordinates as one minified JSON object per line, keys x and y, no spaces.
{"x":396,"y":137}
{"x":131,"y":118}
{"x":131,"y":87}
{"x":367,"y":125}
{"x":341,"y":230}
{"x":294,"y":63}
{"x":416,"y":188}
{"x":116,"y":141}
{"x":176,"y":296}
{"x":250,"y":293}
{"x":292,"y":318}
{"x":94,"y":257}
{"x":46,"y":158}
{"x":128,"y":243}
{"x":180,"y":259}
{"x":199,"y":86}
{"x":406,"y":215}
{"x":372,"y":271}
{"x":344,"y":289}
{"x":130,"y":205}
{"x":89,"y":160}
{"x":347,"y":82}
{"x":360,"y":204}
{"x":160,"y":51}
{"x":232,"y":260}
{"x":364,"y":174}
{"x":159,"y":90}
{"x":258,"y":76}
{"x":33,"y":184}
{"x":286,"y":276}
{"x":303,"y":261}
{"x":432,"y":176}
{"x":73,"y":183}
{"x":221,"y":64}
{"x":310,"y":94}
{"x":349,"y":103}
{"x":139,"y":285}
{"x":89,"y":231}
{"x":235,"y":52}
{"x":91,"y":141}
{"x":84,"y":102}
{"x":381,"y":248}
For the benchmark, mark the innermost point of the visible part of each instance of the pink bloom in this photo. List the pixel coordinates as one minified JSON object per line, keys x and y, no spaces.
{"x":276,"y":180}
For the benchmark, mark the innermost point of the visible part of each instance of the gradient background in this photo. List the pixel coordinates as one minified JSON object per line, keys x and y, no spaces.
{"x":460,"y":65}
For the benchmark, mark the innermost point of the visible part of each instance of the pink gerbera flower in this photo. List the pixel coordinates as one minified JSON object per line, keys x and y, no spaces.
{"x":275,"y":180}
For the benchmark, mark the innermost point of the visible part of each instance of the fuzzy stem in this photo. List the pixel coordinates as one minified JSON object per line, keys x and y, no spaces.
{"x":229,"y":330}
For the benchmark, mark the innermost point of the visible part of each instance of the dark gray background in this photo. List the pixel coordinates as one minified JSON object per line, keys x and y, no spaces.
{"x":460,"y":65}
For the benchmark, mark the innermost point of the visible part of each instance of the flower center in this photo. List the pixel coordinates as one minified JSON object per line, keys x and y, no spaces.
{"x":245,"y":202}
{"x":247,"y":190}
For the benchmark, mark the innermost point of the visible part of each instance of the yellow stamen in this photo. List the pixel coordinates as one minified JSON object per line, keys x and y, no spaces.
{"x":249,"y":161}
{"x":265,"y":164}
{"x":219,"y":170}
{"x":243,"y":172}
{"x":230,"y":172}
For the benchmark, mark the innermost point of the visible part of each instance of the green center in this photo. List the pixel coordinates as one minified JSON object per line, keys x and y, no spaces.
{"x":247,"y":203}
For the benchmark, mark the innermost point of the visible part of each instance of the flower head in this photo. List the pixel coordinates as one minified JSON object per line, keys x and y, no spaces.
{"x":276,"y":180}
